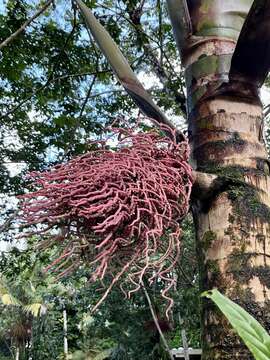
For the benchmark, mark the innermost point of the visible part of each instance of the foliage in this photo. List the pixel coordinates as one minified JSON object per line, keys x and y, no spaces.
{"x":187,"y":295}
{"x":126,"y":326}
{"x":25,"y":280}
{"x":252,"y":333}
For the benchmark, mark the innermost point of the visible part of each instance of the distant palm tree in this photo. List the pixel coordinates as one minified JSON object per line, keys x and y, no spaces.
{"x":25,"y":304}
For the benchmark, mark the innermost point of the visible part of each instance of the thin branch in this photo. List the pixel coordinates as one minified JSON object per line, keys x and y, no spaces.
{"x":156,"y":322}
{"x":87,"y":96}
{"x":8,"y":222}
{"x":80,"y":74}
{"x":107,"y":92}
{"x":24,"y":25}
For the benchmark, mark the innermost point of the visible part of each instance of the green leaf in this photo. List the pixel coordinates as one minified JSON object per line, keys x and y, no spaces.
{"x":252,"y":333}
{"x":6,"y":297}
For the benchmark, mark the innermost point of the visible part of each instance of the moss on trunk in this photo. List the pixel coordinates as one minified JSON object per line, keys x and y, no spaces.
{"x":233,"y":219}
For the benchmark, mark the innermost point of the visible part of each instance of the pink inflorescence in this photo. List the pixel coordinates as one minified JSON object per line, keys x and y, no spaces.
{"x":119,"y":211}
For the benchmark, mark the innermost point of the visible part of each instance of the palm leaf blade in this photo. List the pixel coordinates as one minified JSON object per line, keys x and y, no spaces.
{"x":8,"y":299}
{"x":33,"y":309}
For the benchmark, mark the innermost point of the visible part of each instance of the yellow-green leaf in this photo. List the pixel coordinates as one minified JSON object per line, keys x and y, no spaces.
{"x":8,"y":299}
{"x":33,"y":309}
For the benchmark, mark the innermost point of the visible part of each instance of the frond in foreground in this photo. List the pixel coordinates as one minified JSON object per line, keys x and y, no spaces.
{"x":121,"y":209}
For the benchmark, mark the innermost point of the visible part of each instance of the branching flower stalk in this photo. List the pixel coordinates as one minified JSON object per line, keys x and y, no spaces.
{"x":120,"y":210}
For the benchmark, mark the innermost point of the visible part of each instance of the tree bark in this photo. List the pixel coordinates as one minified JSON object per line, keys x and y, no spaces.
{"x":232,"y":213}
{"x":232,"y":220}
{"x":231,"y":201}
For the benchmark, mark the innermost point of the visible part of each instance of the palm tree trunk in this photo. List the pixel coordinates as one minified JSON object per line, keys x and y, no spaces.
{"x":232,"y":216}
{"x":231,"y":200}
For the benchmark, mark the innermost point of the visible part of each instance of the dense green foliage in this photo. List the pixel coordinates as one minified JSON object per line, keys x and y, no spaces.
{"x":122,"y":326}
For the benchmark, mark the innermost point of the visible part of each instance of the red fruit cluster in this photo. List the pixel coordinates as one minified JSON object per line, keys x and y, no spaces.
{"x":120,"y":209}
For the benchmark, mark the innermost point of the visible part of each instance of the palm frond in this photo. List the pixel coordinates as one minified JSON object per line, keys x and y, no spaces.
{"x":6,"y":296}
{"x":33,"y":309}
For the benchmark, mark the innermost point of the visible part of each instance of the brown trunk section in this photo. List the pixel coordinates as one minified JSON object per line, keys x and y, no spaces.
{"x":232,"y":215}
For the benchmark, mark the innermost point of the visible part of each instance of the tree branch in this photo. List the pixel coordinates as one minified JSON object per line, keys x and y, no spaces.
{"x":24,"y":25}
{"x":6,"y":225}
{"x":88,"y":95}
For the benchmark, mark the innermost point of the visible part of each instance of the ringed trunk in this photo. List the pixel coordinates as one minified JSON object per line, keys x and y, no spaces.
{"x":232,"y":217}
{"x":231,"y":206}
